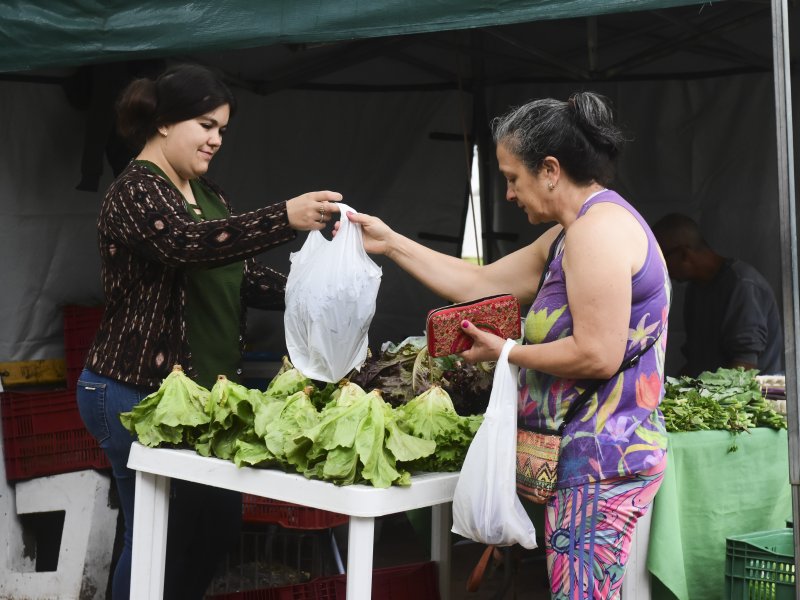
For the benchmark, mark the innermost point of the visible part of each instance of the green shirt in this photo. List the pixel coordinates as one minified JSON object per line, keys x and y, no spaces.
{"x":213,"y":300}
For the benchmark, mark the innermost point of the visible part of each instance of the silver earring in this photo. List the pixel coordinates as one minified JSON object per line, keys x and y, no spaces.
{"x":163,"y":132}
{"x":551,"y":186}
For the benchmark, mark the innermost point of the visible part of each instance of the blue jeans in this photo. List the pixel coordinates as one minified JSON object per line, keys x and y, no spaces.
{"x":203,"y":521}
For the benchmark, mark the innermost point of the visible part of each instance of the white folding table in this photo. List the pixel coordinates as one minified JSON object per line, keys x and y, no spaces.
{"x":155,"y":466}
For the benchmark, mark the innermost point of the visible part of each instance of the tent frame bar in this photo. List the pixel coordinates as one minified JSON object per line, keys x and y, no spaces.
{"x":788,"y":230}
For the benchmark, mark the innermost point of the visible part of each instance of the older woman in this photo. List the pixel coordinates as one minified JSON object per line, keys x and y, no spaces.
{"x":605,"y":298}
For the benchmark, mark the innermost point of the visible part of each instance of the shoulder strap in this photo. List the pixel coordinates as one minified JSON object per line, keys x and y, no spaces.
{"x":550,"y":256}
{"x":581,"y":400}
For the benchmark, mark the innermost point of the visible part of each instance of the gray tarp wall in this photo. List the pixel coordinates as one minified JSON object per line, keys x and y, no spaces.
{"x":374,"y":149}
{"x":702,"y":145}
{"x":691,"y":151}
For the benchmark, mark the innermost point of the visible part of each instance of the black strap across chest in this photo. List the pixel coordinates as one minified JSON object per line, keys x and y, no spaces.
{"x":593,"y":386}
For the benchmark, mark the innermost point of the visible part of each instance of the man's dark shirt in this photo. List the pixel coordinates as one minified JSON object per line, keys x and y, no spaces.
{"x":733,"y":317}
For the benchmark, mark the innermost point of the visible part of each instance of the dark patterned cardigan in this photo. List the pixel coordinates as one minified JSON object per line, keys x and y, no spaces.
{"x":146,"y":238}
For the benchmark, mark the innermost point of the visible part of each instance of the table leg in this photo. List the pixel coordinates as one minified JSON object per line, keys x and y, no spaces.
{"x":360,"y":539}
{"x":441,"y":523}
{"x":150,"y":515}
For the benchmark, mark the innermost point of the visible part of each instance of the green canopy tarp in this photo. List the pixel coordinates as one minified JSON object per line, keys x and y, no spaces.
{"x":42,"y":33}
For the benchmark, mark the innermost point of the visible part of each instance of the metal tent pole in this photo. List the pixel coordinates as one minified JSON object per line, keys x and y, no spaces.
{"x":786,"y":202}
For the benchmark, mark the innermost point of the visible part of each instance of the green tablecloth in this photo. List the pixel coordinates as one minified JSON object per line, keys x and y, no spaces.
{"x":709,"y":494}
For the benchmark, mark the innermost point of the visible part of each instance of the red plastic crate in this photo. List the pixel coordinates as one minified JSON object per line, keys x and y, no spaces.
{"x":80,"y":326}
{"x":256,"y":509}
{"x":416,"y":581}
{"x":300,"y":591}
{"x":43,"y":434}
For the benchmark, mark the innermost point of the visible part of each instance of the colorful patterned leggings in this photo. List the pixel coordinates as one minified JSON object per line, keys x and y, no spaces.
{"x":588,"y":531}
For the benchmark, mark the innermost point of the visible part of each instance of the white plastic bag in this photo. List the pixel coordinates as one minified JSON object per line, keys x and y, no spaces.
{"x":485,"y":503}
{"x":330,"y":301}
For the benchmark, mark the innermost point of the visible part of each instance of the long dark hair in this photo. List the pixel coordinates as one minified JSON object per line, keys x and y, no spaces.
{"x":180,"y":93}
{"x":580,"y":133}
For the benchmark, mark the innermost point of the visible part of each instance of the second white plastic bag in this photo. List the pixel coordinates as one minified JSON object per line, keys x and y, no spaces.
{"x":485,"y":503}
{"x":330,"y":301}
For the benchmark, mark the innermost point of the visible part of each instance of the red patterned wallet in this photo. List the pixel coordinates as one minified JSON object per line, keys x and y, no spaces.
{"x":497,"y":314}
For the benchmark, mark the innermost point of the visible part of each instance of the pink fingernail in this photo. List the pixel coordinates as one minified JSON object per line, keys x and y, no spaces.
{"x":465,"y":324}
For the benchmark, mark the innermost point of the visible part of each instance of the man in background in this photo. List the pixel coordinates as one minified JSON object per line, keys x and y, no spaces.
{"x":730,"y":314}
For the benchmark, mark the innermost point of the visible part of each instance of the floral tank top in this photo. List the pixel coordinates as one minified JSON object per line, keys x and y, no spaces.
{"x":620,"y":430}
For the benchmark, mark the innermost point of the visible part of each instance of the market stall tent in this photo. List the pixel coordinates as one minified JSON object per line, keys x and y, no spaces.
{"x":384,"y":102}
{"x":387,"y":119}
{"x":39,"y":33}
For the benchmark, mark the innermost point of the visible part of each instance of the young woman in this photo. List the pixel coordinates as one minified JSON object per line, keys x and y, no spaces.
{"x":177,"y":272}
{"x":605,"y":296}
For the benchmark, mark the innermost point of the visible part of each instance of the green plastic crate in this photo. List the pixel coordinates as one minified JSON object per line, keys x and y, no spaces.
{"x":760,"y":566}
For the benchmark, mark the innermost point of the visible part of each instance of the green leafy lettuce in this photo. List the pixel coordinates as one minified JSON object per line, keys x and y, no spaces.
{"x":358,"y":439}
{"x":174,"y":413}
{"x":432,"y":416}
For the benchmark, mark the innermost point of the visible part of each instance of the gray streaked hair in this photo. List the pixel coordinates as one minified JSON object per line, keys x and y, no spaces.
{"x":579,"y":132}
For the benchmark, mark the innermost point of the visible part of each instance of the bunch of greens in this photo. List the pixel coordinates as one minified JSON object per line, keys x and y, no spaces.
{"x":406,"y":370}
{"x":286,"y":382}
{"x":358,"y":439}
{"x":234,"y":411}
{"x":432,"y":416}
{"x":173,"y":413}
{"x":276,"y":425}
{"x":726,"y":399}
{"x":230,"y":410}
{"x":355,"y":437}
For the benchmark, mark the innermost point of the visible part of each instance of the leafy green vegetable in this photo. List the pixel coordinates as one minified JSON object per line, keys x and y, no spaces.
{"x":297,"y":415}
{"x":252,"y":454}
{"x":726,"y":399}
{"x":347,"y":393}
{"x":287,"y":382}
{"x":340,"y":433}
{"x":358,"y":439}
{"x":177,"y":409}
{"x":406,"y":370}
{"x":230,"y":408}
{"x":432,"y":416}
{"x":276,"y":424}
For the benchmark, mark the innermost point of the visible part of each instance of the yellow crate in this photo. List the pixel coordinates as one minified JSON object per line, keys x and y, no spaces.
{"x":33,"y":372}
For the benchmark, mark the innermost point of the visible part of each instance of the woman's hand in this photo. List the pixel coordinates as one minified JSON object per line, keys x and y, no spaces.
{"x":312,"y":210}
{"x":375,"y":233}
{"x":485,"y":346}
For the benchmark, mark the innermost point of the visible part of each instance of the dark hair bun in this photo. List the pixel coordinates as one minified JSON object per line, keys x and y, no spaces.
{"x":136,"y":110}
{"x":595,"y":118}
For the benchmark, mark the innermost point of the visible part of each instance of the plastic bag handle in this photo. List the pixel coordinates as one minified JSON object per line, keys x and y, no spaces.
{"x":506,"y":350}
{"x":344,"y":225}
{"x":350,"y":231}
{"x":502,"y":363}
{"x":343,"y":220}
